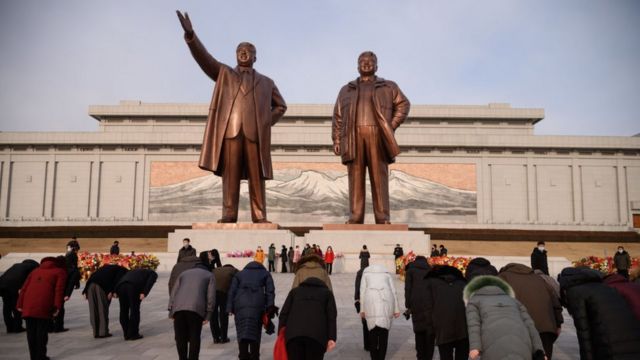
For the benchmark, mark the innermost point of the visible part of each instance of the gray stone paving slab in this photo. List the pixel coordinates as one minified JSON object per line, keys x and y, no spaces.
{"x":158,"y":342}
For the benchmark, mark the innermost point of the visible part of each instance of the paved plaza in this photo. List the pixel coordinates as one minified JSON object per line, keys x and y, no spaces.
{"x":158,"y":342}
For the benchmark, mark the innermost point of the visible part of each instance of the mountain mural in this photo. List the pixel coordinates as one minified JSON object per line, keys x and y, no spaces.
{"x":308,"y":196}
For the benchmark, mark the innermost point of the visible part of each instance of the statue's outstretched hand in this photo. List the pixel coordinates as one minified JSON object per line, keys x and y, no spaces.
{"x":185,"y":22}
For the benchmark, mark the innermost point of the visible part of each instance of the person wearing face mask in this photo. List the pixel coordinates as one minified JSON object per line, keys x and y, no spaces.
{"x":186,"y":249}
{"x":539,"y":258}
{"x":622,"y":260}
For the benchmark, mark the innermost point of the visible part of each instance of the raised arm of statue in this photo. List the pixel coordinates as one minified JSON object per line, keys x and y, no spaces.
{"x":207,"y":63}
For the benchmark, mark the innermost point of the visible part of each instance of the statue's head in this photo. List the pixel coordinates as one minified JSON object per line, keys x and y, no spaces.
{"x":246,"y":54}
{"x":367,"y":63}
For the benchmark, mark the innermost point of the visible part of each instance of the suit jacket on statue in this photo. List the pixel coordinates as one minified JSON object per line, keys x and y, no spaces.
{"x":391,"y":108}
{"x":269,"y":106}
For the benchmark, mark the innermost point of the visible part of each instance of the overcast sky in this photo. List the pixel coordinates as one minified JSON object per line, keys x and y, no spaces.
{"x":579,"y":60}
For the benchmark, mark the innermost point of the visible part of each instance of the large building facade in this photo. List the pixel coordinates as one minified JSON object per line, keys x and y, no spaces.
{"x":461,"y":167}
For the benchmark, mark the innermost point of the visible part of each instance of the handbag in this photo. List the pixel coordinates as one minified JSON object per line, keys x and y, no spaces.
{"x":280,"y":347}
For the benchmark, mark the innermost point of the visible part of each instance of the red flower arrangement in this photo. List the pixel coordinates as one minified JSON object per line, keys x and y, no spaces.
{"x":605,"y":265}
{"x":460,"y":263}
{"x":88,"y":263}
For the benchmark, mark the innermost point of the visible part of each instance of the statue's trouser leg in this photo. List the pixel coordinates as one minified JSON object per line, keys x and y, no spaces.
{"x":357,"y":171}
{"x":232,"y":154}
{"x":256,"y":182}
{"x":378,"y":175}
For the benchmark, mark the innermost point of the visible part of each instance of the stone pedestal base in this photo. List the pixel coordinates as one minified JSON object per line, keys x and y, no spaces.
{"x":377,"y":227}
{"x":379,"y":242}
{"x":229,"y":239}
{"x":234,"y":226}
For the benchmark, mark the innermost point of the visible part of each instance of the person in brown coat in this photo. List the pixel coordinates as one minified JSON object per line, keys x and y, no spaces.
{"x":237,"y":137}
{"x":220,"y":319}
{"x":311,"y":266}
{"x":540,"y":300}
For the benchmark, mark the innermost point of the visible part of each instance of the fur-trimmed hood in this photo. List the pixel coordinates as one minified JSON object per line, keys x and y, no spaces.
{"x":311,"y":258}
{"x":487,"y":285}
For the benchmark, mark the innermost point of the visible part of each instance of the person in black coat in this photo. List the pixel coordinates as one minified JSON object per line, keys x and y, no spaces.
{"x":216,"y":260}
{"x":99,"y":290}
{"x":448,"y":313}
{"x":132,"y":288}
{"x":284,"y":257}
{"x":252,"y":294}
{"x":73,"y":282}
{"x":115,"y":248}
{"x":10,"y":283}
{"x":356,"y":298}
{"x":364,"y":257}
{"x":605,"y":324}
{"x":539,"y":258}
{"x":186,"y":249}
{"x":415,"y":293}
{"x":309,"y":314}
{"x":479,"y":266}
{"x":434,"y":251}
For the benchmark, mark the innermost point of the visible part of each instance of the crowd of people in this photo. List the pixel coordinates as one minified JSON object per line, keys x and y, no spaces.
{"x":484,"y":313}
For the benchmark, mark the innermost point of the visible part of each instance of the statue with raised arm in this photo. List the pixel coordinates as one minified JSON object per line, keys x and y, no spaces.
{"x":237,"y":137}
{"x":366,"y":115}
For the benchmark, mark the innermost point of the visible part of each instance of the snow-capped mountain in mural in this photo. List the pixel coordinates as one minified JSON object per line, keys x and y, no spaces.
{"x":310,"y":196}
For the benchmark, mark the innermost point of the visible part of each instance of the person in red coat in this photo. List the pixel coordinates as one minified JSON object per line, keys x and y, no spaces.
{"x":329,"y":256}
{"x":41,"y":298}
{"x":629,"y":291}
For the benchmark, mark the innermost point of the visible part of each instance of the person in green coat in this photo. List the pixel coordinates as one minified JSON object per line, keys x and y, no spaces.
{"x":272,"y":258}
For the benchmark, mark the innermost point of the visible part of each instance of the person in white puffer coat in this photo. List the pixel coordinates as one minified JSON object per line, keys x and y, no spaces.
{"x":378,"y":306}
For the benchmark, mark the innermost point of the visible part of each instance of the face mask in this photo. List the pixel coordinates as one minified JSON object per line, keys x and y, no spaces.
{"x":185,"y":245}
{"x":620,"y":251}
{"x":69,"y":248}
{"x":541,"y":248}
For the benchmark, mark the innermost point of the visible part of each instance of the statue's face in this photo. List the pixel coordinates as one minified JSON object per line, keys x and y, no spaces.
{"x":245,"y":55}
{"x":367,"y":65}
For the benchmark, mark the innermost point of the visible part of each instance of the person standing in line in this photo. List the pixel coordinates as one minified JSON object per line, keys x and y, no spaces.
{"x":115,"y":248}
{"x":99,"y":290}
{"x":443,"y":250}
{"x":10,"y":283}
{"x":416,"y":291}
{"x":364,"y":257}
{"x":284,"y":258}
{"x":378,"y":306}
{"x":630,"y":291}
{"x":309,"y":314}
{"x":329,"y":257}
{"x":434,"y":251}
{"x":271,"y":257}
{"x":498,"y":324}
{"x":185,"y":263}
{"x":186,"y":249}
{"x":356,"y":303}
{"x":251,"y":296}
{"x":259,"y":256}
{"x":290,"y":256}
{"x":605,"y":324}
{"x":306,"y":250}
{"x":479,"y":266}
{"x":215,"y":260}
{"x":190,"y":306}
{"x":220,"y":321}
{"x":132,"y":288}
{"x":311,"y":266}
{"x":398,"y":252}
{"x":539,"y":258}
{"x":622,"y":261}
{"x":319,"y":252}
{"x":539,"y":300}
{"x":40,"y":299}
{"x":446,"y":285}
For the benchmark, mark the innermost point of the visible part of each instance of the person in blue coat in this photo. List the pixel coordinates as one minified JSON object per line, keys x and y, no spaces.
{"x":252,"y":294}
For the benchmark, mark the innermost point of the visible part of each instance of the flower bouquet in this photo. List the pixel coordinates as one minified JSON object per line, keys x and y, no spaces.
{"x":605,"y":265}
{"x":240,"y":253}
{"x":88,"y":263}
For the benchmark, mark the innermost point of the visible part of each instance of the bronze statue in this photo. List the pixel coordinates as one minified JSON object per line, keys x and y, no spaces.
{"x":237,"y":137}
{"x":365,"y":117}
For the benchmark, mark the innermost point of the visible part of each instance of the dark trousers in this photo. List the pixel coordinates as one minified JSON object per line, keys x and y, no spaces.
{"x":370,"y":153}
{"x":12,"y":317}
{"x":624,"y":272}
{"x":241,"y":155}
{"x":425,"y":345}
{"x":305,"y":348}
{"x":187,"y":326}
{"x":548,"y":338}
{"x":219,"y":323}
{"x":272,"y":266}
{"x":329,"y":267}
{"x":37,"y":337}
{"x":378,"y":339}
{"x":129,"y":310}
{"x":57,"y":323}
{"x":460,"y":347}
{"x":284,"y":267}
{"x":249,"y":350}
{"x":365,"y":334}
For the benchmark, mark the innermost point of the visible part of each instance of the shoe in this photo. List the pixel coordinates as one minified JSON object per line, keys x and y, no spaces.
{"x":226,"y":221}
{"x":225,"y":340}
{"x":351,"y":221}
{"x":135,"y":337}
{"x":216,"y":340}
{"x":17,"y":331}
{"x":60,"y":330}
{"x":262,"y":221}
{"x":102,"y":337}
